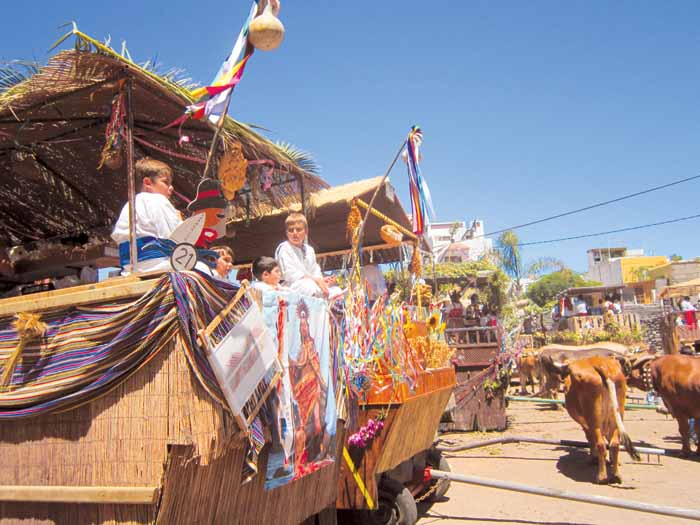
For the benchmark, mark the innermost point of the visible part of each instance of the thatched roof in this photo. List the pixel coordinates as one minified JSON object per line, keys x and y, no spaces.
{"x":52,"y":131}
{"x":327,"y":212}
{"x":683,"y":289}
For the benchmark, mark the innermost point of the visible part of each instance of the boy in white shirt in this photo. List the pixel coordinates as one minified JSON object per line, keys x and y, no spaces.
{"x":297,"y":260}
{"x":156,"y":217}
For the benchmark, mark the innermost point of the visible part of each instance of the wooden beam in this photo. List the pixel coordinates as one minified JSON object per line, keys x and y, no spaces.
{"x":388,"y":220}
{"x":110,"y":290}
{"x":68,"y":494}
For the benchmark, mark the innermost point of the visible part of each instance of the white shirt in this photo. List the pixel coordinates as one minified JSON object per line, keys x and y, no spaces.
{"x":155,"y":217}
{"x":581,"y":308}
{"x":687,"y":306}
{"x":299,"y":268}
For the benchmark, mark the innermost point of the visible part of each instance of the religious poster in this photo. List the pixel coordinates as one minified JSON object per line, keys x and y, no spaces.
{"x":303,"y":409}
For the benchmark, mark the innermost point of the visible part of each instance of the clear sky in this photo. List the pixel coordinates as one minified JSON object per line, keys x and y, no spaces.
{"x":528,"y":108}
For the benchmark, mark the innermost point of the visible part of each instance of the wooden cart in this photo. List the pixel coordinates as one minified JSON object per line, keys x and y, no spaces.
{"x":155,"y":449}
{"x":410,"y":426}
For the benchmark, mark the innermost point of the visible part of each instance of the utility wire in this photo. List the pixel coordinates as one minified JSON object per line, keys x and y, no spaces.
{"x":611,"y":231}
{"x":592,"y":206}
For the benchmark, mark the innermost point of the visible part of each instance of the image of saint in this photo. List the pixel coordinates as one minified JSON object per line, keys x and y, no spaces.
{"x":309,"y":390}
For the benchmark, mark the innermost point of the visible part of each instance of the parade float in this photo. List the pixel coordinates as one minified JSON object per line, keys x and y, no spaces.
{"x":115,"y":403}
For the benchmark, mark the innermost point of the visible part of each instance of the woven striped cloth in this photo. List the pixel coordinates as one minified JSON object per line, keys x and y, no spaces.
{"x":88,"y":351}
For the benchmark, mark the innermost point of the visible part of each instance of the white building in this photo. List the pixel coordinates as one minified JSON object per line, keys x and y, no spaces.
{"x":456,"y":242}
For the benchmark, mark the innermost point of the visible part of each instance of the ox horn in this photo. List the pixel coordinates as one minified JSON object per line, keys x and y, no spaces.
{"x":641,"y":361}
{"x":562,"y":368}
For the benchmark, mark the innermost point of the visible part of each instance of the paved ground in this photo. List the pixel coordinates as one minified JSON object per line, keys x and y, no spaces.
{"x":673,"y":482}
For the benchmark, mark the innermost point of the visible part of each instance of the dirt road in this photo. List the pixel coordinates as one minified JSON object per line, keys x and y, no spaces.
{"x":673,"y":482}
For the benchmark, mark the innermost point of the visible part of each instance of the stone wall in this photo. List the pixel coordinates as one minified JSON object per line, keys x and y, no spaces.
{"x":650,"y":319}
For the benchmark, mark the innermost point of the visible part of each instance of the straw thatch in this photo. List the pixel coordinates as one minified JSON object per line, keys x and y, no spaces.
{"x":52,"y":131}
{"x":158,"y":429}
{"x":327,"y":212}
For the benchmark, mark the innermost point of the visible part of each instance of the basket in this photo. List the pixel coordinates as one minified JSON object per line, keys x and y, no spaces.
{"x":391,"y":235}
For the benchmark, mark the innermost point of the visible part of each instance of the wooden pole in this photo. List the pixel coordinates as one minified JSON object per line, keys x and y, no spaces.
{"x":222,"y":120}
{"x":133,"y":253}
{"x":376,"y":192}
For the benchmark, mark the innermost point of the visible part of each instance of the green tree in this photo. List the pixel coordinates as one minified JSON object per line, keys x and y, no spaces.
{"x":508,"y":255}
{"x":676,"y":257}
{"x":547,"y":287}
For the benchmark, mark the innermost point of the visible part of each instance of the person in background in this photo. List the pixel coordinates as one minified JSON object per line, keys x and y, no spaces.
{"x":607,"y":305}
{"x":617,"y":307}
{"x":688,"y":311}
{"x":224,"y":264}
{"x":297,"y":260}
{"x":267,"y":274}
{"x":156,"y":217}
{"x":456,"y":309}
{"x":474,"y":309}
{"x":581,"y":308}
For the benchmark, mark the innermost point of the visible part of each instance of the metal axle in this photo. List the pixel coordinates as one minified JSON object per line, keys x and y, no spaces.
{"x":573,"y":496}
{"x":540,"y":441}
{"x":628,"y":406}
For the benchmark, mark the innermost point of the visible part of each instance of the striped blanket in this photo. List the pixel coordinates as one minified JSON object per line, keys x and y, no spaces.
{"x":88,"y":351}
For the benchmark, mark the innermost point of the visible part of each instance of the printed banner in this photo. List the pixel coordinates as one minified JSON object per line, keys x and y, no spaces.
{"x":245,"y":363}
{"x":303,"y":408}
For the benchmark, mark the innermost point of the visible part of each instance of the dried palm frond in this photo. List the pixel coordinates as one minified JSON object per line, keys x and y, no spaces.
{"x":303,"y":159}
{"x":16,"y":71}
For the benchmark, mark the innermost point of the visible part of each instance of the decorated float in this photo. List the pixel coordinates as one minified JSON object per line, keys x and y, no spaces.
{"x":398,"y":375}
{"x":145,"y":398}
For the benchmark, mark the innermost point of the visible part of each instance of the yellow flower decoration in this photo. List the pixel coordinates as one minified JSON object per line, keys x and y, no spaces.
{"x":433,"y":321}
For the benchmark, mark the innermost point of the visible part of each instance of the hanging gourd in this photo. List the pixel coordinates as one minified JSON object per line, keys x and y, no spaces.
{"x":266,"y":32}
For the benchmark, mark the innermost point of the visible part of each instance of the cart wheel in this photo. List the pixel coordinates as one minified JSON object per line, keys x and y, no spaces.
{"x":396,"y":506}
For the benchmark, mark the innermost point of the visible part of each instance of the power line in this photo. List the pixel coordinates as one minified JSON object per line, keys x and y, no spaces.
{"x":592,"y":206}
{"x":611,"y":231}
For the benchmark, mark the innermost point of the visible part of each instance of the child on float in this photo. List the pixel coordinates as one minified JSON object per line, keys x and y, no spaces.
{"x":156,"y":217}
{"x":297,"y":260}
{"x":267,"y":274}
{"x":224,"y":264}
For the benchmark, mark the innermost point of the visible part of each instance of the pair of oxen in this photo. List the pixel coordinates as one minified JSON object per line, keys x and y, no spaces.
{"x":595,"y":384}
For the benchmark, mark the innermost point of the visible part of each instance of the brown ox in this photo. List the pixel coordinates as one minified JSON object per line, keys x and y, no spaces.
{"x":529,"y":369}
{"x":595,"y":398}
{"x":553,"y":354}
{"x":676,"y":378}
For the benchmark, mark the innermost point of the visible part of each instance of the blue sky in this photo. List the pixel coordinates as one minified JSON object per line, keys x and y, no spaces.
{"x":528,"y":108}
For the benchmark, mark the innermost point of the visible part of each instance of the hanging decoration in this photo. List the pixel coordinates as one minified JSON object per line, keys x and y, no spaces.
{"x":416,"y":267}
{"x":353,"y":223}
{"x":112,"y":154}
{"x":266,"y":31}
{"x":421,"y":201}
{"x":232,"y":171}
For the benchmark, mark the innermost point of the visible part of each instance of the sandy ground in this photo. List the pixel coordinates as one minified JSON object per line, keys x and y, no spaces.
{"x":672,"y":482}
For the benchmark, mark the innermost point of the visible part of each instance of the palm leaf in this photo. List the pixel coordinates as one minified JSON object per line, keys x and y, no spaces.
{"x":16,"y":71}
{"x":302,"y":159}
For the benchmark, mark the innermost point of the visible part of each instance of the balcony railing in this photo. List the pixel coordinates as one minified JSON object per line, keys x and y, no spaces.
{"x":585,"y":323}
{"x":471,"y":337}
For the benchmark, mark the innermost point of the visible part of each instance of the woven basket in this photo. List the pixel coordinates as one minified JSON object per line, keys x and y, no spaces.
{"x":391,"y":235}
